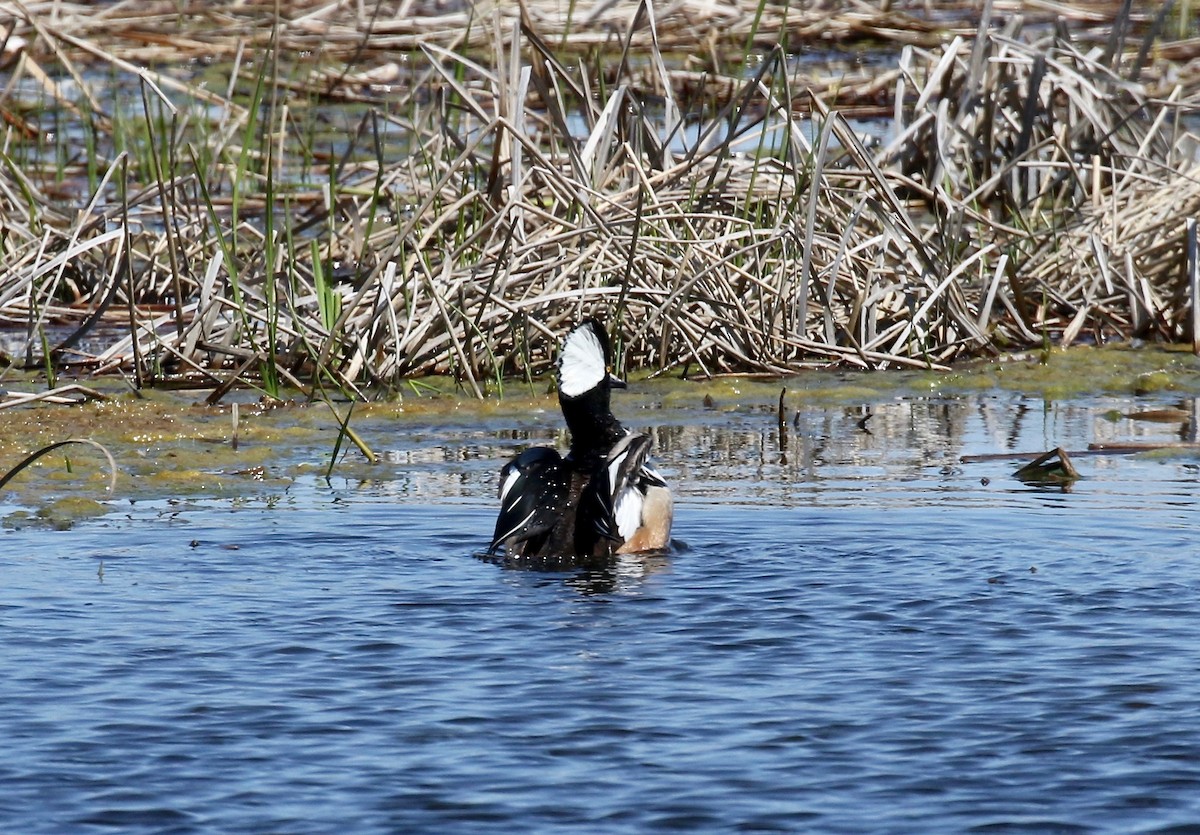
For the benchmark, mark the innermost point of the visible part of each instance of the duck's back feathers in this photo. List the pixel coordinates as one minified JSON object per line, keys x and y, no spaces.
{"x":614,"y":506}
{"x":533,"y":495}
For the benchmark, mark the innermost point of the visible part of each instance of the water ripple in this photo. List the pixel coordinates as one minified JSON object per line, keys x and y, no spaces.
{"x":964,"y":659}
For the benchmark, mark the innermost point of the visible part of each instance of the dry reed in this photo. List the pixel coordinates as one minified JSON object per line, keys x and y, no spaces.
{"x":1029,"y":188}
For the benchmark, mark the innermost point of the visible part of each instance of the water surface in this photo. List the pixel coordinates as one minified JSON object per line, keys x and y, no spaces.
{"x":856,"y":633}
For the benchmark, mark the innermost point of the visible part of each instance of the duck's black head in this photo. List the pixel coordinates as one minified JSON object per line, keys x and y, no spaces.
{"x":585,"y":381}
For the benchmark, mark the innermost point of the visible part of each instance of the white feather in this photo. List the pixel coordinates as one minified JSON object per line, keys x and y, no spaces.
{"x":508,"y":483}
{"x":581,"y":364}
{"x":628,"y":512}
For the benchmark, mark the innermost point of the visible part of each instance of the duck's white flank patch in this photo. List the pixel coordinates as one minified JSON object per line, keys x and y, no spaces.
{"x":581,"y":364}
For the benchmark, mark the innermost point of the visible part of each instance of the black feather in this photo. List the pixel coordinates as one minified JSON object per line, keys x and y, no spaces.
{"x":534,"y":502}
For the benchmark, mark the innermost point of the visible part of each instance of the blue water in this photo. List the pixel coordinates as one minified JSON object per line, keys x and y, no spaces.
{"x":848,"y":646}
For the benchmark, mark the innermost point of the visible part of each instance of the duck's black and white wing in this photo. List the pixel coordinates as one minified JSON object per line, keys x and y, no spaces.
{"x":630,"y":478}
{"x":533,"y":495}
{"x":617,"y":494}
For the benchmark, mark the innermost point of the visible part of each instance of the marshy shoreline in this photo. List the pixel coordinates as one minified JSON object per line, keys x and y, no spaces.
{"x":339,"y":199}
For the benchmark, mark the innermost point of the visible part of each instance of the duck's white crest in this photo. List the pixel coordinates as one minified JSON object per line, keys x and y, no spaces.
{"x":581,"y":363}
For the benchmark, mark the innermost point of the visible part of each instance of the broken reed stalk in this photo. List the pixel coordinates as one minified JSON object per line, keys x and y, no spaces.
{"x":1052,"y":467}
{"x":1193,"y":272}
{"x":31,"y":458}
{"x":769,"y":238}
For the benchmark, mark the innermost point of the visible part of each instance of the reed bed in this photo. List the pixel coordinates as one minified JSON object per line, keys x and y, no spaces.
{"x":350,"y":225}
{"x":152,"y":32}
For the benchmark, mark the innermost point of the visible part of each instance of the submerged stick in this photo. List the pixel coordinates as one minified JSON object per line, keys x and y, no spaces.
{"x":1140,"y":446}
{"x":1093,"y":449}
{"x":782,"y":417}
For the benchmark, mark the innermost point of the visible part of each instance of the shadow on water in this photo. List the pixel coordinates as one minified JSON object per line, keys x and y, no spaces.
{"x":614,"y":574}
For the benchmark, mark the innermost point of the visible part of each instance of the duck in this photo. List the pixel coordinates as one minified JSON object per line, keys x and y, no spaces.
{"x":605,"y":497}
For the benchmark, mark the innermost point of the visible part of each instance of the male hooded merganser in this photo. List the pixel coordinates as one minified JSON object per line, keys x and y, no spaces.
{"x":604,"y":498}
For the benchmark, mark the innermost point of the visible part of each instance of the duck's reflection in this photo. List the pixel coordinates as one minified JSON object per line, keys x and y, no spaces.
{"x":618,"y":573}
{"x":621,"y":573}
